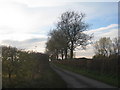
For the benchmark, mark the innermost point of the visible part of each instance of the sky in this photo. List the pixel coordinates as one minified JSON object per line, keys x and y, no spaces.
{"x":25,"y":24}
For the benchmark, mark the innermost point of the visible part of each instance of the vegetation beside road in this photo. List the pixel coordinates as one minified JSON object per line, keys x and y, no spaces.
{"x":92,"y":69}
{"x":26,"y":69}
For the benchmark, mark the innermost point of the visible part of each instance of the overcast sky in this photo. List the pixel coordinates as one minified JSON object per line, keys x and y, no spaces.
{"x":26,"y":23}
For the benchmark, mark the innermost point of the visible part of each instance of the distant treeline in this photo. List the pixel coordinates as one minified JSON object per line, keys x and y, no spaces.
{"x":104,"y":65}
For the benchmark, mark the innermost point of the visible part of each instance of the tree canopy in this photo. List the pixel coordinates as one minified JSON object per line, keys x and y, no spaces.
{"x":68,"y":34}
{"x":107,"y":47}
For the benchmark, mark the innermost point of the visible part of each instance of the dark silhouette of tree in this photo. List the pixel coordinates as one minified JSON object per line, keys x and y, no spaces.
{"x":69,"y":32}
{"x":57,"y":43}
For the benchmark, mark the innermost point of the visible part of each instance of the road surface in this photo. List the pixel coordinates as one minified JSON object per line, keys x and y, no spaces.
{"x":74,"y":80}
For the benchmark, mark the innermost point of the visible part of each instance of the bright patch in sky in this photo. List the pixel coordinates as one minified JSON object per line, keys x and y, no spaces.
{"x":25,"y":23}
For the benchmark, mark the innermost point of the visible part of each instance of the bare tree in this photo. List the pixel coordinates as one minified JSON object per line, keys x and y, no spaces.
{"x":116,"y":45}
{"x":106,"y":47}
{"x":72,"y":24}
{"x":57,"y":43}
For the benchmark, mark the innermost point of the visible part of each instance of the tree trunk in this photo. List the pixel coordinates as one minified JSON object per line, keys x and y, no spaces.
{"x":57,"y":54}
{"x":71,"y":51}
{"x":9,"y":75}
{"x":66,"y":53}
{"x":62,"y":54}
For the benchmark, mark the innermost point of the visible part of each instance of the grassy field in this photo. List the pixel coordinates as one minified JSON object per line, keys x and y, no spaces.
{"x":106,"y":78}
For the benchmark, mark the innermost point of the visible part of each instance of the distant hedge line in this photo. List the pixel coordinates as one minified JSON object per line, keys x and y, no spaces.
{"x":99,"y":65}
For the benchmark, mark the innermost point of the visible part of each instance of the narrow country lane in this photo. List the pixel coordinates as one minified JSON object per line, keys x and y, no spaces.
{"x":74,"y":80}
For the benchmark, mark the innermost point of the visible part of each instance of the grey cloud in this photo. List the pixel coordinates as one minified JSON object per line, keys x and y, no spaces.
{"x":33,"y":40}
{"x":26,"y":44}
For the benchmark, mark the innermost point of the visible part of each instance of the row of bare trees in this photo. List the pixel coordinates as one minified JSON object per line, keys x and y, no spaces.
{"x":107,"y":47}
{"x":67,"y":35}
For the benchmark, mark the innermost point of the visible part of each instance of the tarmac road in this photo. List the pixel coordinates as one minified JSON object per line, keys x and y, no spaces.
{"x":74,"y":80}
